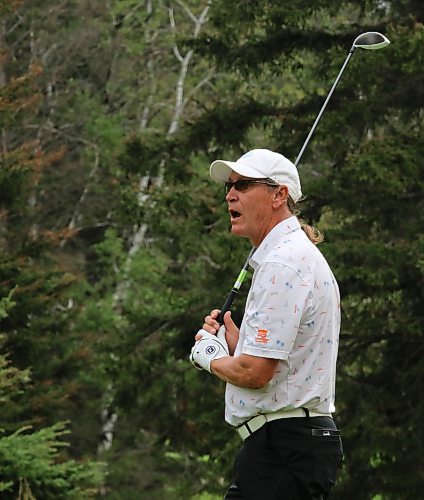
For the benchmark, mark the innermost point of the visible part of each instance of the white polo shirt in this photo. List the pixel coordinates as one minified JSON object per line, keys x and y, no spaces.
{"x":292,"y":314}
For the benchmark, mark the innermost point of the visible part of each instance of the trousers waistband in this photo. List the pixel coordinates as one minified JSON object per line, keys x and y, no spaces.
{"x":248,"y":428}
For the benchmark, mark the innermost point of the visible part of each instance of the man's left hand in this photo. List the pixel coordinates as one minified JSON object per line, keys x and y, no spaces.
{"x":206,"y":349}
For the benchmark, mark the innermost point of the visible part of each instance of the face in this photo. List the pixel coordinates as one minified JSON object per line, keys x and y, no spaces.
{"x":252,"y":211}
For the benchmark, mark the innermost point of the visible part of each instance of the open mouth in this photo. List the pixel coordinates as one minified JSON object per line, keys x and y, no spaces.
{"x":234,"y":214}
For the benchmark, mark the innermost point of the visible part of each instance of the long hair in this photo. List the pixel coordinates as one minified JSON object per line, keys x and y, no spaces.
{"x":311,"y":232}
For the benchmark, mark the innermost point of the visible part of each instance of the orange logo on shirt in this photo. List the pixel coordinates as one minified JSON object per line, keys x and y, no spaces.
{"x":261,"y":337}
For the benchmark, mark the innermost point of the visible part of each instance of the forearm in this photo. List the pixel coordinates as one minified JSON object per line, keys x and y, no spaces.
{"x":244,"y":371}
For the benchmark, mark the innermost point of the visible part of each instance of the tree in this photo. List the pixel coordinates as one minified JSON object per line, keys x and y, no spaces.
{"x":32,"y":428}
{"x":31,"y":465}
{"x":369,"y":142}
{"x":116,"y":244}
{"x":365,"y":182}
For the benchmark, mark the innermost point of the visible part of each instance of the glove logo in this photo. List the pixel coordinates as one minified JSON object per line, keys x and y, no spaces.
{"x":210,"y":350}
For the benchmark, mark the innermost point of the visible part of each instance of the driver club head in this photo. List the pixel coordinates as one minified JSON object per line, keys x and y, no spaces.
{"x":371,"y":40}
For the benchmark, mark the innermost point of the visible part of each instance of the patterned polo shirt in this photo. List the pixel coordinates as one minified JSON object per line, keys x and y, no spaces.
{"x":292,"y":314}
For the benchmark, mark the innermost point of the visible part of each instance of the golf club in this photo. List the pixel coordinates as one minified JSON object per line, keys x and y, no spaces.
{"x":371,"y":40}
{"x":236,"y":287}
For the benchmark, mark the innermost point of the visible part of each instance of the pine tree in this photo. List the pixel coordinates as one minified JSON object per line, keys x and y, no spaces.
{"x":31,"y":463}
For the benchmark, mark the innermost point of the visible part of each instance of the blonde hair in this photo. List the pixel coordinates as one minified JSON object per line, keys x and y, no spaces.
{"x":311,"y":232}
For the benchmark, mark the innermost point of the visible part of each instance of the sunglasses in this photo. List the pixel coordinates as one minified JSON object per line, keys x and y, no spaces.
{"x":243,"y":184}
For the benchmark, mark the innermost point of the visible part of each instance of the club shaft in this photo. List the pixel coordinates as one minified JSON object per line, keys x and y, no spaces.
{"x":236,"y":287}
{"x":318,"y":118}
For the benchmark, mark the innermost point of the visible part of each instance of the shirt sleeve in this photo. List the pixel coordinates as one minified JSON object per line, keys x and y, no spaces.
{"x":274,"y":309}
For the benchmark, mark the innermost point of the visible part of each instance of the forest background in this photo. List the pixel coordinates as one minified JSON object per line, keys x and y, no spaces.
{"x":115,"y":243}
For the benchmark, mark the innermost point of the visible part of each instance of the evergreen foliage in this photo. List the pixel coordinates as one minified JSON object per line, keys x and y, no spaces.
{"x":114,"y":242}
{"x":31,"y":463}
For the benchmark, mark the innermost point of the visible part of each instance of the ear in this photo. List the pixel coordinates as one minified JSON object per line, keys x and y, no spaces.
{"x":279,"y":197}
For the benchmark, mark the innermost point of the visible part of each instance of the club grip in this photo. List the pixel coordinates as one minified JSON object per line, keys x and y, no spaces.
{"x":227,"y":305}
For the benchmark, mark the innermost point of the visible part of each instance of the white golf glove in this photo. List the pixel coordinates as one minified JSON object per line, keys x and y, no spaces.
{"x":208,"y":348}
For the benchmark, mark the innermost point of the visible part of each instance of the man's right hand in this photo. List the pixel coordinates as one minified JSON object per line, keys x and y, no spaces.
{"x":229,"y":329}
{"x":211,"y":325}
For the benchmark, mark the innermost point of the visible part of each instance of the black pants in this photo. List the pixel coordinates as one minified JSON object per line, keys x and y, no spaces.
{"x":288,"y":459}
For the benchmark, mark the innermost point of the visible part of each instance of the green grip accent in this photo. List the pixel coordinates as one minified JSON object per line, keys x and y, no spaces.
{"x":240,"y":278}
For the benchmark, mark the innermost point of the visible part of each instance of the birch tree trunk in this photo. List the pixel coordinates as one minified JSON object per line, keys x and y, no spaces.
{"x":109,"y":417}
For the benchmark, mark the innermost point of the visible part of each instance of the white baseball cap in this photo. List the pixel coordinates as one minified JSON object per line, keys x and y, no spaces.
{"x":260,"y":164}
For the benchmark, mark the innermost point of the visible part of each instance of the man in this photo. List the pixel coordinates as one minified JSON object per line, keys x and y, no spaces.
{"x":280,"y":365}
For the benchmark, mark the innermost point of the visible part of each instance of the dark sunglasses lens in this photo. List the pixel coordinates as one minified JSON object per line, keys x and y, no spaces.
{"x":240,"y":185}
{"x":243,"y":185}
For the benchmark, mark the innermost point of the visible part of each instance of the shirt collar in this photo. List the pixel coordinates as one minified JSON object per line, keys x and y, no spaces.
{"x":283,"y":228}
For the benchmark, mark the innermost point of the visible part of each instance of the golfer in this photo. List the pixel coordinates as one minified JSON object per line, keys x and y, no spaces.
{"x":280,"y":366}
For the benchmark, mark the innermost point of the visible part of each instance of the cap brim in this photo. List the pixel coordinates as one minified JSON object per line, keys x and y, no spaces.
{"x":220,"y":170}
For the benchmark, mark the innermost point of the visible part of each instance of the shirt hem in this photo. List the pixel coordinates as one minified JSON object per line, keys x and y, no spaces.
{"x":266,"y":353}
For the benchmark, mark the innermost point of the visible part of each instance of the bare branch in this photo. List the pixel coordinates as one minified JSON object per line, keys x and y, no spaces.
{"x":205,"y":81}
{"x":76,"y":214}
{"x":174,"y":30}
{"x":202,"y":19}
{"x":132,"y":11}
{"x":187,"y":10}
{"x":14,"y":26}
{"x":149,"y":38}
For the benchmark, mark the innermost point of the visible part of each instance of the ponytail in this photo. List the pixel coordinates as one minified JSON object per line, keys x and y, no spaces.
{"x":311,"y":232}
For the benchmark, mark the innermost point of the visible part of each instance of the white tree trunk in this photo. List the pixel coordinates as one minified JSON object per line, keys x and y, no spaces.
{"x":109,"y":417}
{"x":139,"y":234}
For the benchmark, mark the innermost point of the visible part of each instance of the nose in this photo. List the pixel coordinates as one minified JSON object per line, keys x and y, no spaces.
{"x":231,"y":195}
